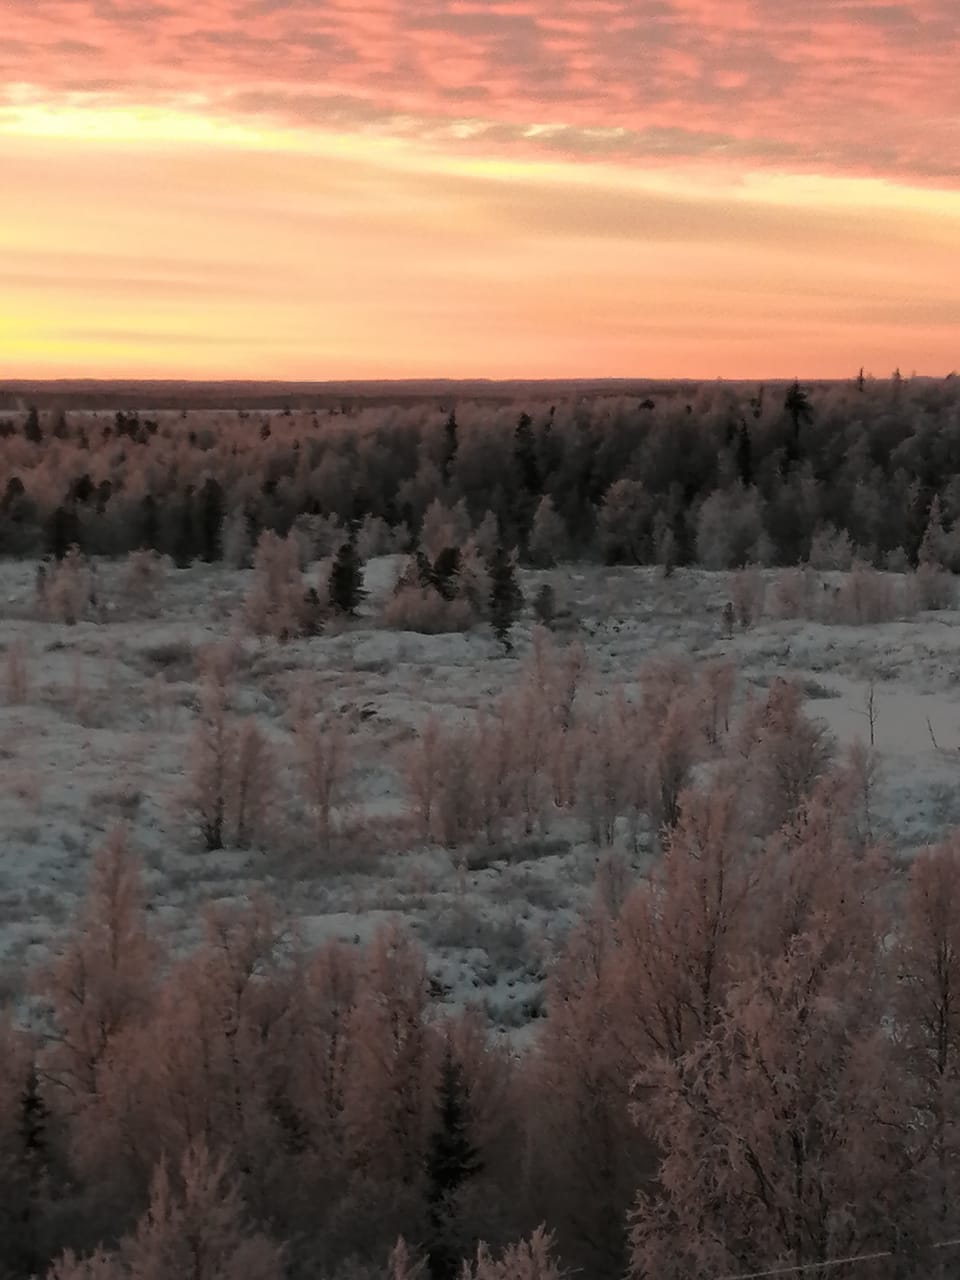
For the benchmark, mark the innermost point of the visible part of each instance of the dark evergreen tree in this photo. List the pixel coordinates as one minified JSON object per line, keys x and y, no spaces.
{"x":312,"y":612}
{"x":211,"y":519}
{"x":797,"y":404}
{"x":744,"y":454}
{"x":506,"y":598}
{"x":149,"y":521}
{"x":81,"y":490}
{"x":756,"y":402}
{"x":61,"y":429}
{"x":423,"y":569}
{"x":525,"y":451}
{"x":63,"y":532}
{"x":184,"y":533}
{"x":12,"y":493}
{"x":31,"y":428}
{"x":450,"y":446}
{"x":346,"y":578}
{"x":446,"y":572}
{"x":21,"y":1209}
{"x":452,"y":1159}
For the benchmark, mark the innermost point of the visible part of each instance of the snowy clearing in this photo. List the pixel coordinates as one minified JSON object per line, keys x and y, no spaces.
{"x":100,"y":727}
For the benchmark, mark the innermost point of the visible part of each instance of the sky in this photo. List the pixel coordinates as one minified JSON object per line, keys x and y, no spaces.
{"x":329,"y":189}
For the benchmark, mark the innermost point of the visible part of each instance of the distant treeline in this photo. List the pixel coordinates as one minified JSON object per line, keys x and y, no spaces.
{"x":721,"y":475}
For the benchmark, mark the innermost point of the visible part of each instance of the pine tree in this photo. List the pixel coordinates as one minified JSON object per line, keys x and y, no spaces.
{"x":346,"y":578}
{"x":506,"y":597}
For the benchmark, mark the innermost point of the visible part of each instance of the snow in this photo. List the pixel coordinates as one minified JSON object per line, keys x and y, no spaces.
{"x":104,"y":730}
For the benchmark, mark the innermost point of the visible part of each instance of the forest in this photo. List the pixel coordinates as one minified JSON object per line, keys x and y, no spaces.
{"x":432,"y":649}
{"x":721,"y":477}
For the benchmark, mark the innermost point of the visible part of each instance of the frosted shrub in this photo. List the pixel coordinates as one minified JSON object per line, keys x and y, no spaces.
{"x":377,"y":538}
{"x":424,"y":610}
{"x":69,"y":595}
{"x":670,"y":766}
{"x":747,"y":591}
{"x":606,"y":765}
{"x":317,"y":537}
{"x":794,"y":593}
{"x":232,"y":782}
{"x":897,"y":561}
{"x":278,"y":602}
{"x":475,"y":584}
{"x":864,"y":597}
{"x":237,"y":540}
{"x":932,"y":588}
{"x":729,"y":528}
{"x":16,"y":675}
{"x":786,"y":752}
{"x":548,"y":535}
{"x":831,"y":548}
{"x":528,"y":1260}
{"x":715,"y":687}
{"x":143,"y":577}
{"x":212,"y":754}
{"x":443,"y":527}
{"x":324,"y":754}
{"x":457,"y":818}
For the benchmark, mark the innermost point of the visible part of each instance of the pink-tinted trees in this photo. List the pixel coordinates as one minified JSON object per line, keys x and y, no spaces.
{"x":389,"y":1092}
{"x":100,"y":987}
{"x":195,"y":1225}
{"x":584,"y":1159}
{"x":927,"y":965}
{"x":683,"y":933}
{"x":323,"y":748}
{"x":785,"y":753}
{"x":531,"y":1259}
{"x":783,"y":1131}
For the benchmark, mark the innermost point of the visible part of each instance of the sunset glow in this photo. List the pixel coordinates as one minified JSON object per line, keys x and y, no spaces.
{"x":315,"y":189}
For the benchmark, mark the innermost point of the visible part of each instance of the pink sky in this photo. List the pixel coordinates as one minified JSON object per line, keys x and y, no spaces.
{"x":515,"y":188}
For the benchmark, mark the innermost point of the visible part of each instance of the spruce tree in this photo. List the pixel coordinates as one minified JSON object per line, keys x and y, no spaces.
{"x":446,"y":572}
{"x":211,"y":519}
{"x":184,"y":533}
{"x":346,"y":578}
{"x":506,"y":597}
{"x":31,"y":428}
{"x":452,"y":1159}
{"x":63,"y":532}
{"x":745,"y":456}
{"x":450,"y":445}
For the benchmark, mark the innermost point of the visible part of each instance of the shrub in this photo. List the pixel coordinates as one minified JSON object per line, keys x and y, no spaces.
{"x":424,"y":610}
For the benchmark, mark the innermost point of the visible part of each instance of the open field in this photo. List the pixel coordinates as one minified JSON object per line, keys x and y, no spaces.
{"x":99,"y":717}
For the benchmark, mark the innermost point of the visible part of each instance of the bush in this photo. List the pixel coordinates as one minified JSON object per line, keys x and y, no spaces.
{"x":424,"y":610}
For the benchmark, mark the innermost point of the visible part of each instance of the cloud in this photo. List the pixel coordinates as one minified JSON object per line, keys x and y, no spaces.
{"x":836,"y":85}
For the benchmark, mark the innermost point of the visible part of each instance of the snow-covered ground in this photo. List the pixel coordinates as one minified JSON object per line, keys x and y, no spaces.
{"x":101,"y":731}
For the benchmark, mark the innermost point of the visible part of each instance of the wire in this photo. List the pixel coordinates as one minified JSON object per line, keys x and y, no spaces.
{"x":827,"y":1262}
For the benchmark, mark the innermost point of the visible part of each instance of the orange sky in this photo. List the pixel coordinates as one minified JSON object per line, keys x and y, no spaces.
{"x":502,"y":188}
